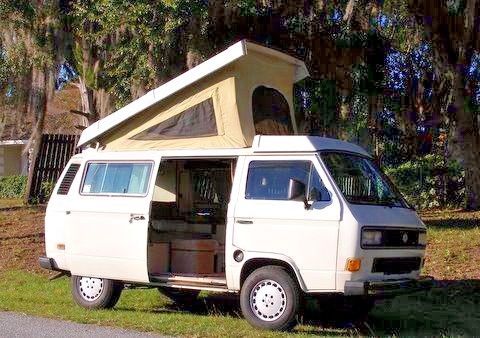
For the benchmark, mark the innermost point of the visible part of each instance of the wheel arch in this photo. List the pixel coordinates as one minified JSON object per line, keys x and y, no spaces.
{"x":252,"y":264}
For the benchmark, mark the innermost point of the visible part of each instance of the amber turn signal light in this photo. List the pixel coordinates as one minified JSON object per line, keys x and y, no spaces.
{"x":353,"y":264}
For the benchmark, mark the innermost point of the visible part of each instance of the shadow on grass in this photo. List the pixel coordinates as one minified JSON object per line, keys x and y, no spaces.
{"x":452,"y":307}
{"x":228,"y":305}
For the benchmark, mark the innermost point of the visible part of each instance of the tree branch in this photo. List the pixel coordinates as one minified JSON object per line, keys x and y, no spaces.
{"x":349,"y":11}
{"x":78,"y":112}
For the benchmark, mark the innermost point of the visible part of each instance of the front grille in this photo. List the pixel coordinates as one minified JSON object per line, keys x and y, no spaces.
{"x":393,"y":238}
{"x":401,"y":265}
{"x":396,"y":238}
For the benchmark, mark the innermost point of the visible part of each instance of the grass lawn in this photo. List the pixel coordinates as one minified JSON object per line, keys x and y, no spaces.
{"x":451,"y":308}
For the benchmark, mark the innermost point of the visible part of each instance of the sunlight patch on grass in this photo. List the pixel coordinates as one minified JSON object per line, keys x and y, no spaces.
{"x":10,"y":203}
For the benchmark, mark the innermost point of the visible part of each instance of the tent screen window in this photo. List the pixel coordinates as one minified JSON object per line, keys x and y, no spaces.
{"x":196,"y":121}
{"x":117,"y":178}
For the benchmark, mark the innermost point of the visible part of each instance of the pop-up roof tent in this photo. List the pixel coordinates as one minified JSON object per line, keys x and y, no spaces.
{"x":221,"y":103}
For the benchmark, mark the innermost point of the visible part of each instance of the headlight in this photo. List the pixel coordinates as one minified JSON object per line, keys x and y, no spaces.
{"x":371,"y":237}
{"x":422,"y":238}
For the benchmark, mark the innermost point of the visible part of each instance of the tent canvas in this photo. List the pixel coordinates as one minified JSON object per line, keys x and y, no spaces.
{"x":210,"y":106}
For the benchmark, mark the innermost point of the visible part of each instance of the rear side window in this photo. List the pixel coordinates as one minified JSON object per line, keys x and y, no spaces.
{"x":64,"y":187}
{"x":268,"y":180}
{"x":117,"y":178}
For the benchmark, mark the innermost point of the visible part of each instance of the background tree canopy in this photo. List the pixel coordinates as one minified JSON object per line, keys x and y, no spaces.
{"x":399,"y":77}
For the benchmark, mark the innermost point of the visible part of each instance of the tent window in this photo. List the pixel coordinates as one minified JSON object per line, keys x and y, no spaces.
{"x":196,"y":121}
{"x":271,"y":113}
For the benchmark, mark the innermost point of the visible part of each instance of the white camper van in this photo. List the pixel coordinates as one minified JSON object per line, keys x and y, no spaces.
{"x":293,"y":215}
{"x":178,"y":191}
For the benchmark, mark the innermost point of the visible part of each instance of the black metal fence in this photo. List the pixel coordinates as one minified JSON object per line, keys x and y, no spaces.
{"x":54,"y":154}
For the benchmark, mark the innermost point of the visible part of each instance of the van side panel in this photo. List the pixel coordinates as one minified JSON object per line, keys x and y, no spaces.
{"x":56,"y":224}
{"x":232,"y":268}
{"x":102,"y":242}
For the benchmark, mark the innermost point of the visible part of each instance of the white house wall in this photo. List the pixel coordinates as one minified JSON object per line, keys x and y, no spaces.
{"x":12,"y":160}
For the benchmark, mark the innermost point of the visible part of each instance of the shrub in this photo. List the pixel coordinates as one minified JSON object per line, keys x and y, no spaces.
{"x":430,"y":182}
{"x":46,"y":190}
{"x":13,"y":186}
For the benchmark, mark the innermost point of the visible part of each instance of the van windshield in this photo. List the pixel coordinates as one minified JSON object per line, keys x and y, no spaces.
{"x":361,"y":181}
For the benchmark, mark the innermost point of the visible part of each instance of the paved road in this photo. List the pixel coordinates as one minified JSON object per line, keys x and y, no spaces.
{"x":19,"y":325}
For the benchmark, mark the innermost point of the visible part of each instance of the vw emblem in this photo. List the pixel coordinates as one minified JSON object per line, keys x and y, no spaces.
{"x":405,"y":237}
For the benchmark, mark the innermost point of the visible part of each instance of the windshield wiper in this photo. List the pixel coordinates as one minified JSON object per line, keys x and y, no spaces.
{"x":390,"y":201}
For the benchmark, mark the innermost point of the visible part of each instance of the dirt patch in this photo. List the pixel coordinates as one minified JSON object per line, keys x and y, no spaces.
{"x":22,"y":238}
{"x":451,"y":218}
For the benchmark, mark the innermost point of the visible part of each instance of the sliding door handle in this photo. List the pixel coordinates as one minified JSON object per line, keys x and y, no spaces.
{"x":243,"y":221}
{"x":134,"y":217}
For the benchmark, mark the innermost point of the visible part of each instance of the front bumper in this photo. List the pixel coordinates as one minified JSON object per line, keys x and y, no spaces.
{"x":386,"y":288}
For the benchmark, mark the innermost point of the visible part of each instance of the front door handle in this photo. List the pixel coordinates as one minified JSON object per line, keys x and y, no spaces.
{"x":136,"y":218}
{"x":243,"y":221}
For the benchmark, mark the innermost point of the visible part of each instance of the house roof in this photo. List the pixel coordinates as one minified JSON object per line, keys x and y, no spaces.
{"x":231,"y":54}
{"x":58,"y":120}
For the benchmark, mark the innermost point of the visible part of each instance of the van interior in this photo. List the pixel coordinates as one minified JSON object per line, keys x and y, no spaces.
{"x":188,"y":222}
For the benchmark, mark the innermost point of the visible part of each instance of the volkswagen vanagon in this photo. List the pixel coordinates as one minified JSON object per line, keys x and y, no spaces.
{"x":289,"y":216}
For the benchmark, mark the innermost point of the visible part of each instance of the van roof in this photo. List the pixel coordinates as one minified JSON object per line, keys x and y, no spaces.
{"x":261,"y":144}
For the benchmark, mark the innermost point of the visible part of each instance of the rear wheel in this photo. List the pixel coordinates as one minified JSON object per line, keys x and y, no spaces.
{"x":95,"y":293}
{"x":270,"y":299}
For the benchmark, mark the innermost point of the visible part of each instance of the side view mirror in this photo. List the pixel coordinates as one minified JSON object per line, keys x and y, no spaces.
{"x":297,"y":191}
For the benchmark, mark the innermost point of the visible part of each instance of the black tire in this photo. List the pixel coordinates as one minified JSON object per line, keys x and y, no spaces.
{"x":283,"y":296}
{"x":87,"y":294}
{"x":182,"y":297}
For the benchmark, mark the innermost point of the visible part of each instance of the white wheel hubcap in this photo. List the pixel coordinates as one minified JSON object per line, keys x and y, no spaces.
{"x":90,"y":288}
{"x":268,"y":300}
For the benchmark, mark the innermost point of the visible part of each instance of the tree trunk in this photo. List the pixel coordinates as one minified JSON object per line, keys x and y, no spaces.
{"x":37,"y":105}
{"x":468,"y":136}
{"x":86,"y":97}
{"x":3,"y":120}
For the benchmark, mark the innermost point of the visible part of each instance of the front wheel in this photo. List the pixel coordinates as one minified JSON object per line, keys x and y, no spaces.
{"x":95,"y":293}
{"x":270,"y":299}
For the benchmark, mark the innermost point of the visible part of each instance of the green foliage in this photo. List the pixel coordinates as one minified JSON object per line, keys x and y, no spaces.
{"x":430,"y":182}
{"x":31,"y":38}
{"x":319,"y":99}
{"x":139,"y":50}
{"x":47,"y":189}
{"x":399,"y":29}
{"x":12,"y":186}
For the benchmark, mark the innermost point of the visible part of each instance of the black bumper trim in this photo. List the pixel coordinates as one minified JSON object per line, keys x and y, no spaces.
{"x":388,"y":288}
{"x":48,"y":263}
